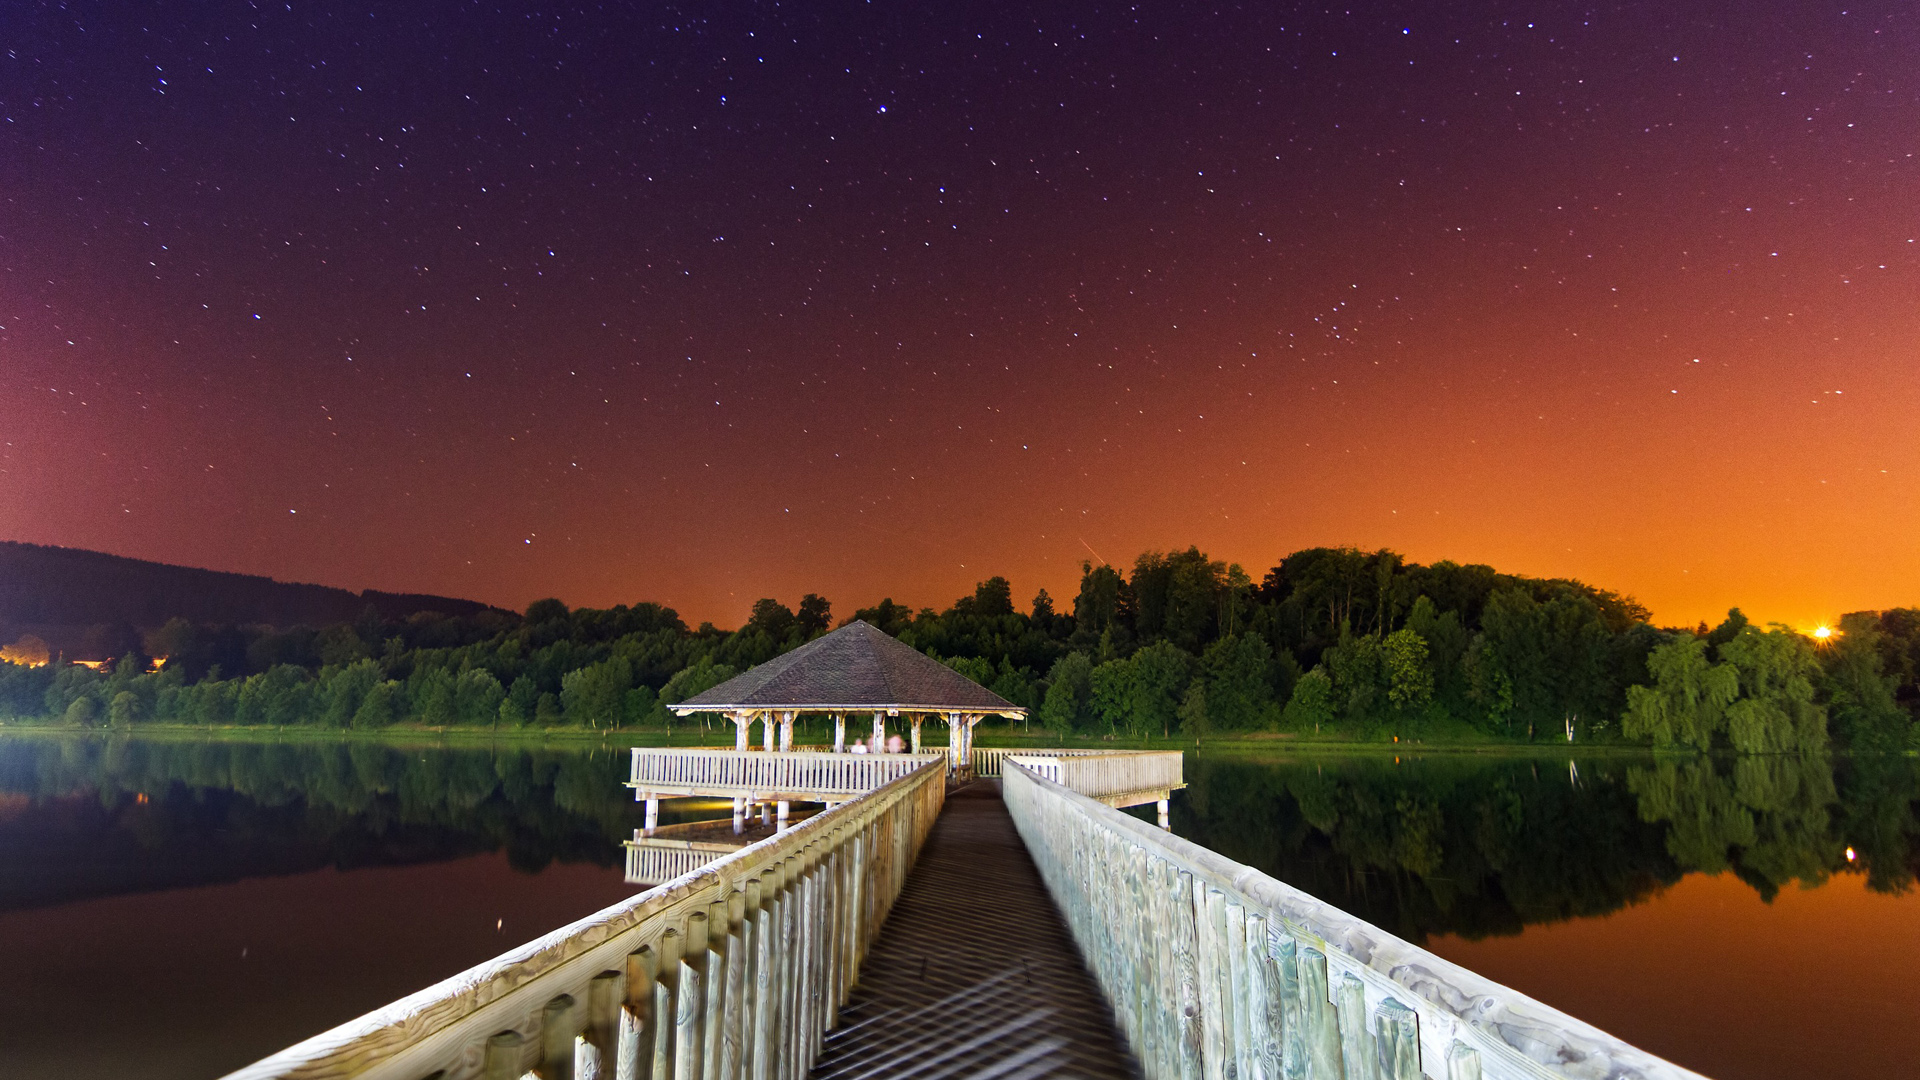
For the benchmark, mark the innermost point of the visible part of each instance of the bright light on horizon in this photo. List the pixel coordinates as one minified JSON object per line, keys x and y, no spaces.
{"x":1823,"y":632}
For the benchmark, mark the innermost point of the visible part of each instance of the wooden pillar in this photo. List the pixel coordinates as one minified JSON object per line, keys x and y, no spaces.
{"x":766,"y":723}
{"x":839,"y":733}
{"x":786,"y":732}
{"x":916,"y":733}
{"x":956,"y":737}
{"x":879,"y":733}
{"x":653,"y":814}
{"x":739,"y":814}
{"x":741,"y":722}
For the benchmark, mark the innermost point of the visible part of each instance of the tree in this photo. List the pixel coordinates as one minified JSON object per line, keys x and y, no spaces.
{"x":1861,"y":698}
{"x":477,"y":696}
{"x":1312,"y":702}
{"x":80,"y":712}
{"x":1194,"y":718}
{"x":1409,"y":679}
{"x":1776,"y":712}
{"x":1108,"y":683}
{"x":701,"y":677}
{"x":541,"y":612}
{"x":772,"y":618}
{"x":1156,"y":680}
{"x":1097,"y":603}
{"x":345,"y":689}
{"x":992,"y":598}
{"x":815,"y":617}
{"x":596,"y":694}
{"x":1042,"y":608}
{"x":377,"y":707}
{"x":1688,"y":700}
{"x":1066,"y":707}
{"x":339,"y":645}
{"x":516,"y":709}
{"x":124,"y":709}
{"x":1358,"y":671}
{"x":432,"y":692}
{"x":1237,"y":675}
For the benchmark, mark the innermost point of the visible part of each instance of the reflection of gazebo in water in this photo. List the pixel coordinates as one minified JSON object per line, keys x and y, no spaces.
{"x":856,"y":669}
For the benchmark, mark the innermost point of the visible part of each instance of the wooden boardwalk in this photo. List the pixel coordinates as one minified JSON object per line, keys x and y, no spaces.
{"x":974,"y":974}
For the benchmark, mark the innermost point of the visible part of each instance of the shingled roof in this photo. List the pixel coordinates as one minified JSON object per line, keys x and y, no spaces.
{"x":857,"y":668}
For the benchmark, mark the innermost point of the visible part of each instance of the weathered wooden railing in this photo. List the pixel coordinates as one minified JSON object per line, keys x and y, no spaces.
{"x":763,"y":777}
{"x":1215,"y":970}
{"x":741,"y":963}
{"x":653,"y":861}
{"x":1117,"y":777}
{"x":986,"y":759}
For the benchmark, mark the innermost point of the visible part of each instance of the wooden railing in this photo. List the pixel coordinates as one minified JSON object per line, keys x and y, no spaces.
{"x":653,"y":861}
{"x":761,"y":776}
{"x":744,"y":962}
{"x":1115,"y":772}
{"x":1215,"y":970}
{"x":986,"y":760}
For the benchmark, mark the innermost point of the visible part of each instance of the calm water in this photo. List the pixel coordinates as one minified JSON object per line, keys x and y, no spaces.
{"x":1747,"y":918}
{"x":177,"y":909}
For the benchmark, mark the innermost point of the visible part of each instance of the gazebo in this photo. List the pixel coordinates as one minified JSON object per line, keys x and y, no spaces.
{"x":855,"y":669}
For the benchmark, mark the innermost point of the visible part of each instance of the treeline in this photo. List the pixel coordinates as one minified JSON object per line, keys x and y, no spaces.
{"x":1330,"y":641}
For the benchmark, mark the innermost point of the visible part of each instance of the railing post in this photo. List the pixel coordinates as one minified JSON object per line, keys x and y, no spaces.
{"x":664,"y":985}
{"x":1322,"y":1026}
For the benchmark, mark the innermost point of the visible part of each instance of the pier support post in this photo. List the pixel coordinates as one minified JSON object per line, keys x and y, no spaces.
{"x":1164,"y":822}
{"x":740,"y":815}
{"x":839,"y":733}
{"x":763,"y":813}
{"x":653,"y":814}
{"x":780,"y":822}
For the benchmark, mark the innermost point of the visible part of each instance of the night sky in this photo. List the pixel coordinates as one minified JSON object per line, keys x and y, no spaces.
{"x":702,"y":303}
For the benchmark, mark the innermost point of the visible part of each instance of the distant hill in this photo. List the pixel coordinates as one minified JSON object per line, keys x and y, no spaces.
{"x":59,"y":591}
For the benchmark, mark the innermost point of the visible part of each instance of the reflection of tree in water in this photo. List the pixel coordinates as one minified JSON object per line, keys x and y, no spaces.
{"x":1765,"y":818}
{"x":102,"y":816}
{"x":1475,"y":846}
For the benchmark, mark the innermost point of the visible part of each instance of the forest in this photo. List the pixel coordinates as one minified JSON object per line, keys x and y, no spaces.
{"x":1333,"y":643}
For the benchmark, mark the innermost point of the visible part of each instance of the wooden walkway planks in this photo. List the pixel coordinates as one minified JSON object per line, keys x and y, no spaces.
{"x":974,"y":973}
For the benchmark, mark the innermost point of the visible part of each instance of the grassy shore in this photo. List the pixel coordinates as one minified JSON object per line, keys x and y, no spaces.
{"x":721,"y":736}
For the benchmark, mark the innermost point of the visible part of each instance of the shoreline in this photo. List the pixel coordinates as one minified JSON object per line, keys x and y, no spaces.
{"x":1248,"y":743}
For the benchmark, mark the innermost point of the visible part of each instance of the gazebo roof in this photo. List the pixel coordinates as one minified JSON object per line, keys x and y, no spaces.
{"x":857,"y":668}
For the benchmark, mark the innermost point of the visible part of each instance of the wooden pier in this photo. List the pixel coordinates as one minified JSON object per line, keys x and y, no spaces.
{"x":1019,"y":930}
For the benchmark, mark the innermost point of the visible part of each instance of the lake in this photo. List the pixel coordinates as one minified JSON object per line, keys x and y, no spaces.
{"x":175,"y":909}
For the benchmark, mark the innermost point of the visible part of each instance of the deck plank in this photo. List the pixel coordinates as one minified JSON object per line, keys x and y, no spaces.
{"x":974,"y":973}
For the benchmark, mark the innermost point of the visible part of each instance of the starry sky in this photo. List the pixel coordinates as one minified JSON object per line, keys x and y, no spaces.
{"x":705,"y":302}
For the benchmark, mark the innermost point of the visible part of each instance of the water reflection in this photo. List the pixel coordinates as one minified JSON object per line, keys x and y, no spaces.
{"x":89,"y":817}
{"x":1474,"y":846}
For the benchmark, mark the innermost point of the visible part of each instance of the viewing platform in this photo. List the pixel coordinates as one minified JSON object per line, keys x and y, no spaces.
{"x":943,"y":926}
